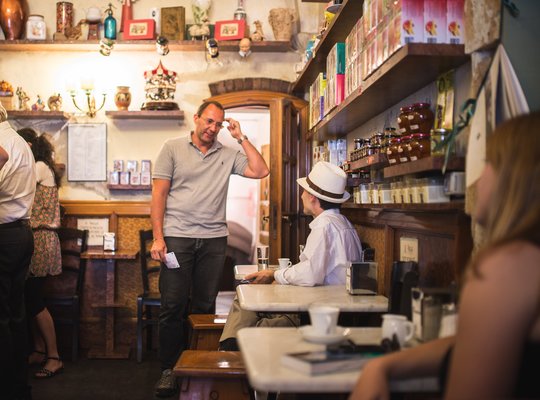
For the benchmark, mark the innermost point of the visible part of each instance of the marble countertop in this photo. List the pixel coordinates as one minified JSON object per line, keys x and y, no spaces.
{"x":262,"y":349}
{"x":288,"y":298}
{"x":242,"y":270}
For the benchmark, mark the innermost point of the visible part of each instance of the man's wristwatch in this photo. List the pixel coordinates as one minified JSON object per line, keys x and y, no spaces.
{"x":242,"y":138}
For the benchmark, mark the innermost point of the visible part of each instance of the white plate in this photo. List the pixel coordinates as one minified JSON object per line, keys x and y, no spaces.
{"x":309,"y":335}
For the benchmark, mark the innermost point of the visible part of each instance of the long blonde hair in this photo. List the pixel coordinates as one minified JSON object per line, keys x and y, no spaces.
{"x":513,"y":150}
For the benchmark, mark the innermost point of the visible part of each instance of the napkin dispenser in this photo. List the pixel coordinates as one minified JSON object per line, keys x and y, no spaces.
{"x":361,"y":278}
{"x":427,"y":306}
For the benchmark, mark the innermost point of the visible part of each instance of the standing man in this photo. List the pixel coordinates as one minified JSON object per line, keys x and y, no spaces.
{"x":17,"y":189}
{"x":190,"y":183}
{"x":332,"y":243}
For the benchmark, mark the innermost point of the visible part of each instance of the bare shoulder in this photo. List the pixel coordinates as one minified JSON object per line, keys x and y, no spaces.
{"x":517,"y":260}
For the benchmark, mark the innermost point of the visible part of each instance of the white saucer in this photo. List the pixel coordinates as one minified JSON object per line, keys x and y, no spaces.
{"x":309,"y":335}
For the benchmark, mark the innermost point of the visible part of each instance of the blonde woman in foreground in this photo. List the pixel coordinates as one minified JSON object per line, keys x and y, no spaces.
{"x":496,"y":350}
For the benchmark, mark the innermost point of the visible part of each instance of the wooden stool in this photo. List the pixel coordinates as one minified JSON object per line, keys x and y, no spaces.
{"x":212,"y":375}
{"x":205,"y":331}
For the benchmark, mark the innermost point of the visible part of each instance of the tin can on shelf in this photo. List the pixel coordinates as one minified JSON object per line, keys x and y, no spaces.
{"x":64,"y":16}
{"x":36,"y":28}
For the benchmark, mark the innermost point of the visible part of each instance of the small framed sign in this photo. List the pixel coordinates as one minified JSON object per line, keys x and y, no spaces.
{"x":140,"y":29}
{"x":230,"y":30}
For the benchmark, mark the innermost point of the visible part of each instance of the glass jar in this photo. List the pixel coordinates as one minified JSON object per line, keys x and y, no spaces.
{"x":433,"y":191}
{"x":36,"y":28}
{"x":364,"y":194}
{"x":403,"y":150}
{"x":421,"y":118}
{"x":438,"y":136}
{"x":419,"y":146}
{"x":358,"y":143}
{"x":403,"y":120}
{"x":392,"y":151}
{"x":385,"y":193}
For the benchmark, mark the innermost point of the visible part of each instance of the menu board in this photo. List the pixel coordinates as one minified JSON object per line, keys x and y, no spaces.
{"x":87,"y":152}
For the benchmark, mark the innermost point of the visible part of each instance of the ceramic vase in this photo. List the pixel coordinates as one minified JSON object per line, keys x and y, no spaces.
{"x":13,"y":15}
{"x":122,"y":98}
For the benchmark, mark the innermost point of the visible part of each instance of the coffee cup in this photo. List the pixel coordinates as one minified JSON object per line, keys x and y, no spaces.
{"x":284,"y":263}
{"x":394,"y":324}
{"x":323,"y":319}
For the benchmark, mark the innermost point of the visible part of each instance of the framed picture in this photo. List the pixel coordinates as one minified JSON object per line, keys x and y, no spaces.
{"x":140,"y":29}
{"x":173,"y":22}
{"x":230,"y":30}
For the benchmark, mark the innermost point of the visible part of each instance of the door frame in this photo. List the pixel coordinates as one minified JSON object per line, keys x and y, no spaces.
{"x":275,"y":102}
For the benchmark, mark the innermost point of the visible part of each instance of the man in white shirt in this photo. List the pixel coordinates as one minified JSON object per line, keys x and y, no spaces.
{"x":17,"y":189}
{"x":331,"y":244}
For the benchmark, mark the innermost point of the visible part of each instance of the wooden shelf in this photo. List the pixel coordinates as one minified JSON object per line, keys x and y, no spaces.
{"x":409,"y":69}
{"x":147,"y":114}
{"x":38,"y":115}
{"x":375,"y":160}
{"x":129,"y":187}
{"x":424,"y":165}
{"x":137,"y":45}
{"x":341,"y":25}
{"x":452,"y":205}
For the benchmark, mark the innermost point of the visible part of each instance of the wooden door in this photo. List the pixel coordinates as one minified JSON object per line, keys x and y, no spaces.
{"x":288,"y":117}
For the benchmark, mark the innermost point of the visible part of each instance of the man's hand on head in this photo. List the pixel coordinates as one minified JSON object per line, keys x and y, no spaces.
{"x":264,"y":277}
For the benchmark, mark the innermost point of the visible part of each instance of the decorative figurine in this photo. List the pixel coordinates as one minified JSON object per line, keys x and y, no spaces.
{"x":200,"y":28}
{"x":160,"y":87}
{"x":55,"y":102}
{"x":212,"y":52}
{"x":23,"y":99}
{"x":162,"y":45}
{"x":245,"y":47}
{"x":38,"y":105}
{"x":258,"y":35}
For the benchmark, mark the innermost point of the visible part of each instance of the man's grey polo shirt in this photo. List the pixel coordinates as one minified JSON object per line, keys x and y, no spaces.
{"x":197,"y":199}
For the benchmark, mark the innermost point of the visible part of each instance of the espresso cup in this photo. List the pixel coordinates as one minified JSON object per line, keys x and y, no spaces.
{"x":398,"y":325}
{"x":284,"y":263}
{"x":323,"y":319}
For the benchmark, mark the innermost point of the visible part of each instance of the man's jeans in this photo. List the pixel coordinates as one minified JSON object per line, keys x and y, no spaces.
{"x":196,"y":282}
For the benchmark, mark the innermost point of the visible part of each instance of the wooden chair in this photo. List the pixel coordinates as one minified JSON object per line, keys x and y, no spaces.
{"x":206,"y":330}
{"x":63,"y":292}
{"x":212,"y":375}
{"x":148,"y":300}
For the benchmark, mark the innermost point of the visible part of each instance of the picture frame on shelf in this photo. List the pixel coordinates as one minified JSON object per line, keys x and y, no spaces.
{"x":173,"y":22}
{"x":230,"y":29}
{"x":137,"y":29}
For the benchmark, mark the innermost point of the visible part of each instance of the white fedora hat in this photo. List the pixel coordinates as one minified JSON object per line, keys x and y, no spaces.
{"x":326,"y":182}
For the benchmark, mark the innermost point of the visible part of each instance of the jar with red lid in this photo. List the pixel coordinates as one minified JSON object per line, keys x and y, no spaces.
{"x":403,"y":149}
{"x":403,"y":119}
{"x":421,"y":118}
{"x":392,"y":151}
{"x":419,"y":146}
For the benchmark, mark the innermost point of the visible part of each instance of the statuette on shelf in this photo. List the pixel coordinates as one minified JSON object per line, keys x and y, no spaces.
{"x":200,"y":28}
{"x":257,"y":35}
{"x":55,"y":102}
{"x":23,"y":99}
{"x":39,"y":105}
{"x":245,"y":47}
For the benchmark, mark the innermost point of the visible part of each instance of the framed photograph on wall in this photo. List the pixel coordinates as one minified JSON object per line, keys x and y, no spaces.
{"x":230,"y":30}
{"x":140,"y":29}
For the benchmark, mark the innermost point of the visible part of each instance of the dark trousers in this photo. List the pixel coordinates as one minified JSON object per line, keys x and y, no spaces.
{"x":16,"y":248}
{"x":201,"y":265}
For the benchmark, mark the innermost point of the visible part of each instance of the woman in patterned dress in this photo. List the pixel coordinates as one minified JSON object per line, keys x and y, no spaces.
{"x":45,"y":219}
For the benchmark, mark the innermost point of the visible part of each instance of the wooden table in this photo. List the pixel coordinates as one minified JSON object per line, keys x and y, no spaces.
{"x":262,"y":349}
{"x":110,"y":303}
{"x":289,"y":298}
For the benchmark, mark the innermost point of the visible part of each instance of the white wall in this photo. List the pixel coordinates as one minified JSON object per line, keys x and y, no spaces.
{"x":45,"y":73}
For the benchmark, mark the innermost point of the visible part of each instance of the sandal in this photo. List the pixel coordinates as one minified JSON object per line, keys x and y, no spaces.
{"x":45,"y":373}
{"x":40,"y":359}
